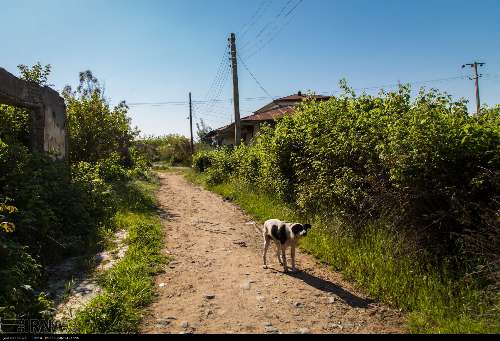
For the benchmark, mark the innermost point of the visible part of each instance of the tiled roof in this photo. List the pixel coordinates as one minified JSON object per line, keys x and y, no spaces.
{"x":219,"y":130}
{"x":270,"y":115}
{"x":273,"y":113}
{"x":298,"y":97}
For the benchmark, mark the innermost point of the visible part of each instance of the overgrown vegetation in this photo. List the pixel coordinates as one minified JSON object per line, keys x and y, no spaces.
{"x":129,"y":285}
{"x":169,"y":150}
{"x":50,"y":209}
{"x":172,"y":150}
{"x":403,"y":194}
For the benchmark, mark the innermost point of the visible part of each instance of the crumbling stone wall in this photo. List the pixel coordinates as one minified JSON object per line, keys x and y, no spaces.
{"x":48,"y":112}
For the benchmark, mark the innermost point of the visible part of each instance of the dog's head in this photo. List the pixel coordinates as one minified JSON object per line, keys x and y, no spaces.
{"x":300,"y":230}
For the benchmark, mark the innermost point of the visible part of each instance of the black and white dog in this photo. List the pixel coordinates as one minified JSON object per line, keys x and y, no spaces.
{"x":284,"y":235}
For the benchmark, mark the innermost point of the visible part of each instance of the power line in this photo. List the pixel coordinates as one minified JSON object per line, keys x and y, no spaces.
{"x":217,"y":84}
{"x":256,"y":48}
{"x":251,"y":99}
{"x":221,"y":86}
{"x":199,"y":102}
{"x":258,"y":83}
{"x":381,"y":87}
{"x":272,"y":21}
{"x":220,"y":70}
{"x":255,"y":18}
{"x":254,"y":78}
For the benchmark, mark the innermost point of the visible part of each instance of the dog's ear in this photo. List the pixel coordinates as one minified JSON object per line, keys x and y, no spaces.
{"x":307,"y":226}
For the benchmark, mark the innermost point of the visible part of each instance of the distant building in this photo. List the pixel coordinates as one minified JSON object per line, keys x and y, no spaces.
{"x":250,"y":125}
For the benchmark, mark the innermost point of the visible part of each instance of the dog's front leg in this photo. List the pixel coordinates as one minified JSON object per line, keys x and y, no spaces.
{"x":278,"y":249}
{"x":283,"y":255}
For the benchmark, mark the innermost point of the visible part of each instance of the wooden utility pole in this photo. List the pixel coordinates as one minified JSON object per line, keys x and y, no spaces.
{"x":476,"y":79}
{"x":236,"y":93}
{"x":191,"y":122}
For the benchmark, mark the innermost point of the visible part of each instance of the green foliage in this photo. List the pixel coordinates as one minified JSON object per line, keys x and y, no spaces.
{"x":96,"y":129}
{"x":14,"y":125}
{"x":6,"y":211}
{"x":129,"y":285}
{"x":218,"y":164}
{"x":202,"y":131}
{"x":426,"y":162}
{"x":37,"y":74}
{"x":19,"y":272}
{"x":401,"y":184}
{"x":174,"y":150}
{"x":50,"y":209}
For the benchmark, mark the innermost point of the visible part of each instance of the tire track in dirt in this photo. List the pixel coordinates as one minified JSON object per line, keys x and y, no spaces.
{"x":216,"y":283}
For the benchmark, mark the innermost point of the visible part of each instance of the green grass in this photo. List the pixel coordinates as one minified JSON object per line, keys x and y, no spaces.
{"x":129,"y":285}
{"x":377,"y":262}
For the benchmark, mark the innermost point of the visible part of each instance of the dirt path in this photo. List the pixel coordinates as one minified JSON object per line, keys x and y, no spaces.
{"x":216,"y":283}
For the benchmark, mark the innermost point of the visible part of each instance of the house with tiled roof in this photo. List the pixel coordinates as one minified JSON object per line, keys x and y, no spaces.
{"x":250,"y":125}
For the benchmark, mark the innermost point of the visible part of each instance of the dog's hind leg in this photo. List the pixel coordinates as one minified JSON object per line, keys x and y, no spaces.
{"x":293,"y":259}
{"x":283,"y":255}
{"x":267,"y":241}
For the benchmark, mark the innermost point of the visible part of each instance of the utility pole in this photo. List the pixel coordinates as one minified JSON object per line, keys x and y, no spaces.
{"x":476,"y":79}
{"x":236,"y":93}
{"x":191,"y":123}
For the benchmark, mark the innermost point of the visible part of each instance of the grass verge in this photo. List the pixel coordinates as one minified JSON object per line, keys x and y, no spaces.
{"x":434,"y":299}
{"x":128,"y":287}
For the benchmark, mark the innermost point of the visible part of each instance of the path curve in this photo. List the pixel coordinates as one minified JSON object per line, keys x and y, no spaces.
{"x":216,"y":283}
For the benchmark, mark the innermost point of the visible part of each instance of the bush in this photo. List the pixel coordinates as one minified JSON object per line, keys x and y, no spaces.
{"x":218,"y":164}
{"x":96,"y":130}
{"x":426,"y":162}
{"x":174,"y":150}
{"x":201,"y":161}
{"x":51,"y":209}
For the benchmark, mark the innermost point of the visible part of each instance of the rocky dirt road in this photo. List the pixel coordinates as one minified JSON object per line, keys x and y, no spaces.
{"x":216,"y":283}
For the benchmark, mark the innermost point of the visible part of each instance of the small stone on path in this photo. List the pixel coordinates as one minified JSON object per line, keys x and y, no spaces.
{"x":245,"y":286}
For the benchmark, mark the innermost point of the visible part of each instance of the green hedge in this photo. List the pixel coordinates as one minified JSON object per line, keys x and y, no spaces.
{"x":425,"y":163}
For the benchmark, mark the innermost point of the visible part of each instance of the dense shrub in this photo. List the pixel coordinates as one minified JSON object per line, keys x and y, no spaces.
{"x":173,"y":150}
{"x":96,"y":129}
{"x":425,"y":161}
{"x":218,"y":164}
{"x":53,"y":209}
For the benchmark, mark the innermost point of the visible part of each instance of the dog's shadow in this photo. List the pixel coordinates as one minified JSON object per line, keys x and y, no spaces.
{"x":329,"y":287}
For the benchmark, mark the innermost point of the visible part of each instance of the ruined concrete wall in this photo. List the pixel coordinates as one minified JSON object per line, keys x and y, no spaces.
{"x":55,"y":126}
{"x":48,"y":112}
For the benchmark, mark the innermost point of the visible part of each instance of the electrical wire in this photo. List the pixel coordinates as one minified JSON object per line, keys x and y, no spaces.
{"x":254,"y":78}
{"x":251,"y":99}
{"x":272,"y":35}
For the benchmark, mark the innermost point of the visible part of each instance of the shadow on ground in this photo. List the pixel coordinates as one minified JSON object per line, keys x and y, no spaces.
{"x":329,"y":287}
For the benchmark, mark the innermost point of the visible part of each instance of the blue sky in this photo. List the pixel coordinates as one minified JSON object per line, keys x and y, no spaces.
{"x":153,"y":51}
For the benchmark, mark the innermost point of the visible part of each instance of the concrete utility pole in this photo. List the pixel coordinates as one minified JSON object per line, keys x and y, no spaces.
{"x":476,"y":79}
{"x":236,"y":93}
{"x":191,"y":123}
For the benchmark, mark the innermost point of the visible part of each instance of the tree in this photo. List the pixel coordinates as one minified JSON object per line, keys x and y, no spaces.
{"x":96,"y":129}
{"x":37,"y":74}
{"x":202,"y":132}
